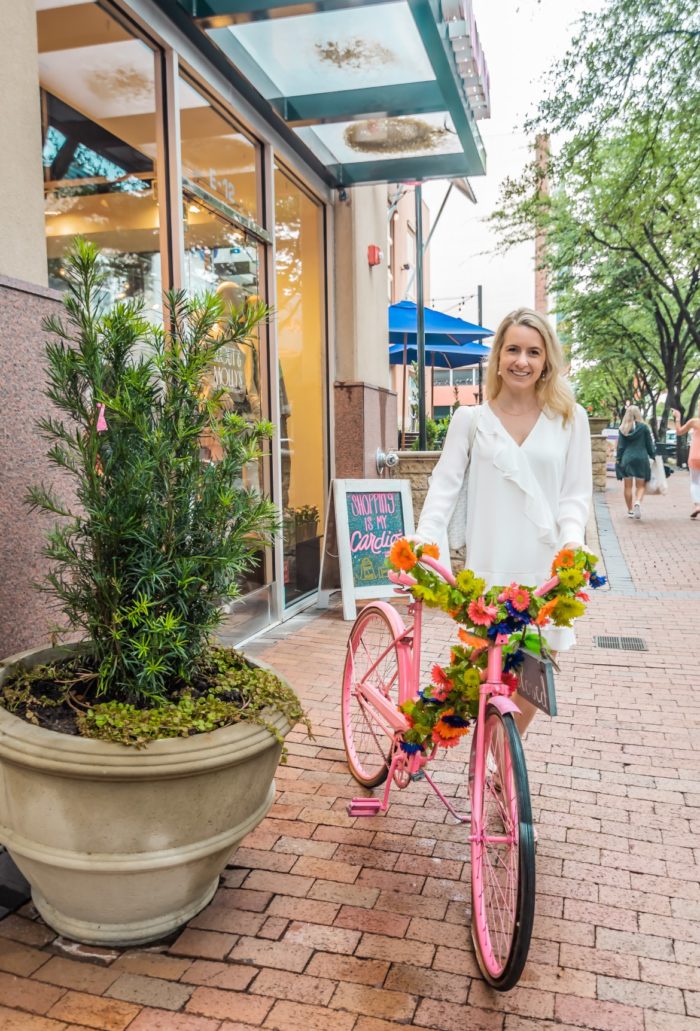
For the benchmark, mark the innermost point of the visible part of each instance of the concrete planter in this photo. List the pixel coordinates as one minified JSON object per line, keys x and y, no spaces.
{"x":598,"y":423}
{"x":599,"y":451}
{"x":121,"y":846}
{"x":417,"y":466}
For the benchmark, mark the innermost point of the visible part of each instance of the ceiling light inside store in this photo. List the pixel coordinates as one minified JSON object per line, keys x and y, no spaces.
{"x":195,"y":209}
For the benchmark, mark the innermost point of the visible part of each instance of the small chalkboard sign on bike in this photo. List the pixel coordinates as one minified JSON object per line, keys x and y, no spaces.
{"x":537,"y":682}
{"x":363,"y":519}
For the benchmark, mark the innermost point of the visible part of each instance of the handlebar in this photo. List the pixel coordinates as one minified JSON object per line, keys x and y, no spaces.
{"x":406,"y":580}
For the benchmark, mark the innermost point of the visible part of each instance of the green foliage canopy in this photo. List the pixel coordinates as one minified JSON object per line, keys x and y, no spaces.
{"x":617,"y":204}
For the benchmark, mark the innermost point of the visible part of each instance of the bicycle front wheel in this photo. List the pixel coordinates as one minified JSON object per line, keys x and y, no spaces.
{"x":503,"y":855}
{"x":375,"y":658}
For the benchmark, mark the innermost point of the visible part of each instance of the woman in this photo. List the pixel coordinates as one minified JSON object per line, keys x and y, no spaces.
{"x":693,"y":457}
{"x":529,"y":476}
{"x":635,"y":446}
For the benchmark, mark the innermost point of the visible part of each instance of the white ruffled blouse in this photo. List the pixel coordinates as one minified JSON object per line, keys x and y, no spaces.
{"x":524,"y":501}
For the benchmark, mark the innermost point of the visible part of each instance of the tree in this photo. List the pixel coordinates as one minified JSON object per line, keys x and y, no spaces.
{"x":621,"y":217}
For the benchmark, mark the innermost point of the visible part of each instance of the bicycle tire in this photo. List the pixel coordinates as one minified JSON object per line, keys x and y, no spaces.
{"x":501,"y":930}
{"x":367,"y":745}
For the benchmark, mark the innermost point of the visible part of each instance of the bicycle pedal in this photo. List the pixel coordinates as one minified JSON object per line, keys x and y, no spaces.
{"x":364,"y":807}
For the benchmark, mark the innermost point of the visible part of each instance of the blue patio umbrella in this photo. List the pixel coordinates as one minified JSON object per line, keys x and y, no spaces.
{"x":439,"y":356}
{"x":439,"y":328}
{"x":450,"y":343}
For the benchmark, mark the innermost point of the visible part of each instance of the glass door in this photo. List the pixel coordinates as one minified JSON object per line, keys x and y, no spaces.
{"x":301,"y":338}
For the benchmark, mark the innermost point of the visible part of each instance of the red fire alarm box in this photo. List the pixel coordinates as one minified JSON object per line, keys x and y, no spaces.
{"x":374,"y":255}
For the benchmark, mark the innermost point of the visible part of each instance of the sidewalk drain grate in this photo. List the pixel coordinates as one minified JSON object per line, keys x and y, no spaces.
{"x":625,"y":644}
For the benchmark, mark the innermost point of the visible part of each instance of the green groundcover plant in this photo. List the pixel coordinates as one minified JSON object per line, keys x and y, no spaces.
{"x":154,"y":536}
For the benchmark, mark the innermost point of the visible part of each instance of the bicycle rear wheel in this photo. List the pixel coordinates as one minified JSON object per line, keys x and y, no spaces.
{"x":503,"y":863}
{"x":373,"y":657}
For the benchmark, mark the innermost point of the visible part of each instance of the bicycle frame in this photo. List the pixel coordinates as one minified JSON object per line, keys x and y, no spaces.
{"x":403,"y":767}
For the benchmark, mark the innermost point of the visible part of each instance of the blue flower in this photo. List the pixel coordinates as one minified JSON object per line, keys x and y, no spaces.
{"x":455,"y":721}
{"x":409,"y":748}
{"x":597,"y":581}
{"x":515,"y":614}
{"x":513,"y":661}
{"x":427,"y":697}
{"x":506,"y":626}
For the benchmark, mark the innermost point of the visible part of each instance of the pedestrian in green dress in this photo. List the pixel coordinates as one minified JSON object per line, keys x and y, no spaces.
{"x":635,"y":446}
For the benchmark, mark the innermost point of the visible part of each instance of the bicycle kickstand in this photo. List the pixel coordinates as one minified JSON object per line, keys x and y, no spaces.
{"x":370,"y":806}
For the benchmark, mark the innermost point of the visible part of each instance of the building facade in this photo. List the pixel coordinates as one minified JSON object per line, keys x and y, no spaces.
{"x":189,"y":159}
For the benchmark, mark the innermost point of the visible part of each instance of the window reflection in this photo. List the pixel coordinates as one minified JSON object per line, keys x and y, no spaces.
{"x":99,"y":150}
{"x":216,"y":155}
{"x":301,"y":341}
{"x":219,"y":184}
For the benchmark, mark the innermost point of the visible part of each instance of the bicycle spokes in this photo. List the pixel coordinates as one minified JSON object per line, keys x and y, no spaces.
{"x":502,"y":873}
{"x":373,"y":661}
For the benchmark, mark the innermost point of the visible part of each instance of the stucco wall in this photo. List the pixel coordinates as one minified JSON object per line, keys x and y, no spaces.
{"x":25,"y":615}
{"x":22,"y":240}
{"x":361,"y":292}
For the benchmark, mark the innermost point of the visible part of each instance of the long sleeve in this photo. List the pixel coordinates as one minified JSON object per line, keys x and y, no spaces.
{"x":621,"y":442}
{"x":577,"y":485}
{"x":447,"y":479}
{"x":651,"y":450}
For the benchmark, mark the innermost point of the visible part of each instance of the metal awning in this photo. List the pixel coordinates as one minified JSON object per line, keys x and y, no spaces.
{"x":366,"y":90}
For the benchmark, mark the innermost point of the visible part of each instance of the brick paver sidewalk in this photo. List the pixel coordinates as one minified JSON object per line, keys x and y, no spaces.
{"x":328,"y":923}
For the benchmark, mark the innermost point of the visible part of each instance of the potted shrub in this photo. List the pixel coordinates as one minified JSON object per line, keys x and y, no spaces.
{"x":306,"y":522}
{"x":135,"y":759}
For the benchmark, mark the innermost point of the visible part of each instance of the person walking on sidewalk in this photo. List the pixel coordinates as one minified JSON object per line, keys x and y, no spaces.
{"x":635,"y":446}
{"x":693,"y":457}
{"x":529,"y":471}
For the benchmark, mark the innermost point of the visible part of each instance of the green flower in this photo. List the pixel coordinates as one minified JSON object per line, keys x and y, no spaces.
{"x":472,"y":586}
{"x":567,"y":609}
{"x":572,"y":579}
{"x":425,"y":594}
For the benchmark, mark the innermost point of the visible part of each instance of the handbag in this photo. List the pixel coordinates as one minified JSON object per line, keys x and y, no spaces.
{"x":657,"y":483}
{"x":458,"y":519}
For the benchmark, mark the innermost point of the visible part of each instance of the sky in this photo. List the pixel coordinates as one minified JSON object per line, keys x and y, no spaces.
{"x":521,"y":40}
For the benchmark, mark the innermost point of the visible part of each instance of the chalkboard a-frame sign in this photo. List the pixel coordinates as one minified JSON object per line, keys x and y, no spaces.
{"x":363,"y":519}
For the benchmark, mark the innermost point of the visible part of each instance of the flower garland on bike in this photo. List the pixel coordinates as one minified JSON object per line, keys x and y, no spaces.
{"x":442,"y":711}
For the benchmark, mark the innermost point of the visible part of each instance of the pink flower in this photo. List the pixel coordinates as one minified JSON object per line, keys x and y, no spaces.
{"x":443,"y":684}
{"x":482,"y":614}
{"x":582,"y":596}
{"x":440,"y":693}
{"x":518,"y":596}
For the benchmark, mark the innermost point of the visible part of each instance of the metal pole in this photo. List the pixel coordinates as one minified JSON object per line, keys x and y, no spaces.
{"x":479,"y":317}
{"x":403,"y":393}
{"x":433,"y":227}
{"x":420,"y":319}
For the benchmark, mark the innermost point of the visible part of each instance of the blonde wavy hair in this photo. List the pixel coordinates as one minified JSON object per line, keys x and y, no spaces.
{"x":554,"y":393}
{"x":630,"y":419}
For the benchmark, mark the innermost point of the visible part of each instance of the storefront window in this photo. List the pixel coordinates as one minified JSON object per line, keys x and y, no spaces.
{"x":219,"y":167}
{"x":99,"y":147}
{"x":301,"y":340}
{"x":217,"y":156}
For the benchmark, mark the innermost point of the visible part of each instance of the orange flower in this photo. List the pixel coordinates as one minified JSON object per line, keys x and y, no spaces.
{"x":445,"y":735}
{"x":471,"y":639}
{"x":545,"y":612}
{"x":565,"y":559}
{"x":431,"y":550}
{"x":401,"y":555}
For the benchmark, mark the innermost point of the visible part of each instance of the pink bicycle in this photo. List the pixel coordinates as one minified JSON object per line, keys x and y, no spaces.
{"x":382,"y":670}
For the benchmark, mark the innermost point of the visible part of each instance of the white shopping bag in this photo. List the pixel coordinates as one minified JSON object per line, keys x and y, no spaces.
{"x":657,"y":484}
